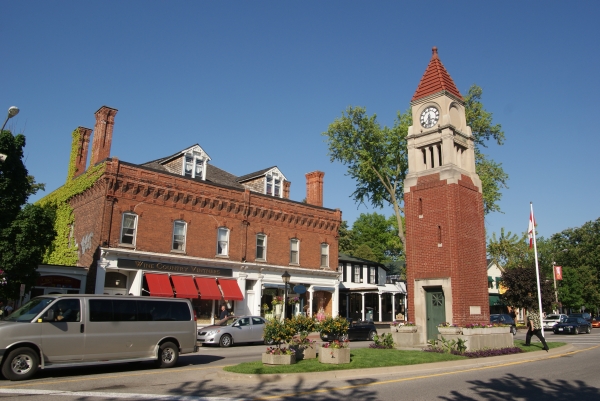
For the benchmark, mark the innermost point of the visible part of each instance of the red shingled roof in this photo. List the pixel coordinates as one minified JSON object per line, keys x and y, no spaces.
{"x":435,"y":79}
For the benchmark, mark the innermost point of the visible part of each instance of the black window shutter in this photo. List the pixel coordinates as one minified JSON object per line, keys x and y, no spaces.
{"x":361,"y":273}
{"x":344,"y":272}
{"x":376,"y":275}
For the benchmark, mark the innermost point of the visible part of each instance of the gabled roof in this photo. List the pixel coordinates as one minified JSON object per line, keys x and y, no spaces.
{"x":255,"y":174}
{"x":343,"y":257}
{"x":435,"y":79}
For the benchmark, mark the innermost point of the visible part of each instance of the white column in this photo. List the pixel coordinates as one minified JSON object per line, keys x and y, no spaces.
{"x":100,"y":276}
{"x":393,"y":306}
{"x":310,"y":301}
{"x":335,"y":308}
{"x":212,"y":313}
{"x":380,"y":311}
{"x":242,"y":284}
{"x":363,"y":305}
{"x":258,"y":290}
{"x":137,"y":283}
{"x":405,"y":308}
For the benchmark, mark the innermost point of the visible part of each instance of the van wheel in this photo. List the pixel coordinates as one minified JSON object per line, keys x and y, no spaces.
{"x":20,"y":364}
{"x":225,"y":340}
{"x":168,"y":354}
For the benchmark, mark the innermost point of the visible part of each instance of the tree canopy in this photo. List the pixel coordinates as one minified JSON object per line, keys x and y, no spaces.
{"x":521,"y":288}
{"x":376,"y":155}
{"x":26,"y":230}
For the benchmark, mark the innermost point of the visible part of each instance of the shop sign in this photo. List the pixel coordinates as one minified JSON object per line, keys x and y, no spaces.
{"x":57,"y":281}
{"x":173,"y":268}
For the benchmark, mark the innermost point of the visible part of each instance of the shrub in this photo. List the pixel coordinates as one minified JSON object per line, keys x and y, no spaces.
{"x":386,"y":341}
{"x":279,"y":332}
{"x":333,"y":325}
{"x":303,"y":324}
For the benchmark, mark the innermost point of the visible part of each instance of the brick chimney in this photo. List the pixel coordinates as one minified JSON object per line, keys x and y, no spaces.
{"x":81,"y":149}
{"x":286,"y":189}
{"x":314,"y":188}
{"x":105,"y":121}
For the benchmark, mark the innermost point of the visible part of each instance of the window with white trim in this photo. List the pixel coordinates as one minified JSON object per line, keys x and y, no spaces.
{"x":261,"y":247}
{"x":128,"y":228}
{"x":295,"y":251}
{"x":223,"y":241}
{"x":324,"y":255}
{"x":179,"y":231}
{"x":273,"y":184}
{"x":194,"y":166}
{"x":356,"y":273}
{"x":372,"y":270}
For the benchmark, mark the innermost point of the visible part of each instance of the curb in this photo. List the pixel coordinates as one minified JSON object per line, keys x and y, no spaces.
{"x":395,"y":370}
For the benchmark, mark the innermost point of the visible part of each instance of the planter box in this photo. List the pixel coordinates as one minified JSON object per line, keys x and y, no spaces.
{"x":305,"y":352}
{"x":473,"y":331}
{"x":404,"y":340}
{"x":393,"y":329}
{"x":270,"y":359}
{"x":499,"y":330}
{"x":406,"y":329}
{"x":334,"y":355}
{"x":445,"y":331}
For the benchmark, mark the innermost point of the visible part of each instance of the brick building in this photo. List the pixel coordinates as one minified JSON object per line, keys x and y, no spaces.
{"x":180,"y":226}
{"x":445,"y":249}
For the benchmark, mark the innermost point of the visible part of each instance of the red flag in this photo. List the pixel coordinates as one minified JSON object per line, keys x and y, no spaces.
{"x":531,"y":228}
{"x":558,"y":272}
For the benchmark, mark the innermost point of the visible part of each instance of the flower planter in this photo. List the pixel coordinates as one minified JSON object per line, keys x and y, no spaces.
{"x":305,"y":351}
{"x":446,"y":331}
{"x":393,"y":329}
{"x":406,"y":329}
{"x":499,"y":330}
{"x":270,"y":359}
{"x":334,"y":355}
{"x":477,"y":330}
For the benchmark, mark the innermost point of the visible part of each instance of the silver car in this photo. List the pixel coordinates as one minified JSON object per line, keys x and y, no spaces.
{"x":551,"y":320}
{"x":234,"y":329}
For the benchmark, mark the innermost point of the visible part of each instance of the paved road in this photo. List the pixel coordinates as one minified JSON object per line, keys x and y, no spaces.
{"x":198,"y":377}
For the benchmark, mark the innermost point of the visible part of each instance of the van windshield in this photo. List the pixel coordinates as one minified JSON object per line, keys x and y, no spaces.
{"x":30,"y":310}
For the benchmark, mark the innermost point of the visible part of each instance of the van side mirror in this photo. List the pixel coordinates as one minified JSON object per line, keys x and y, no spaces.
{"x":49,"y":317}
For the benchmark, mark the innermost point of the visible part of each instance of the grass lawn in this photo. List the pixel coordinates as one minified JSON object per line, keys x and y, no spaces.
{"x":362,"y":358}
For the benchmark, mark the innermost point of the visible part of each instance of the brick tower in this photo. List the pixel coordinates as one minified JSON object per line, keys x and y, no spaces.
{"x":445,"y":234}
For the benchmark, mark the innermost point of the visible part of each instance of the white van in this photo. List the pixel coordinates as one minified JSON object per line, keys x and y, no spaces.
{"x":62,"y":330}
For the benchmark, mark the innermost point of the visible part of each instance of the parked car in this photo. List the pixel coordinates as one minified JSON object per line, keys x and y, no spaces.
{"x":504,"y":319}
{"x":584,"y":315}
{"x":235,"y":329}
{"x":551,"y":320}
{"x":595,"y":322}
{"x":357,"y":330}
{"x":573,"y":325}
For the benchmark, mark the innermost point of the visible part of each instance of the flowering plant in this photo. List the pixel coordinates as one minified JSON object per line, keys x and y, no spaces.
{"x":409,"y":324}
{"x":293,"y":301}
{"x":265,"y":307}
{"x":302,"y":341}
{"x":278,"y":300}
{"x":337,"y":344}
{"x":447,"y":324}
{"x":333,"y":325}
{"x":280,"y":351}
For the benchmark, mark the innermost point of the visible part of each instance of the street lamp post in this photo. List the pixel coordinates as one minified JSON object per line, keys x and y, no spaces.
{"x":12,"y":111}
{"x":286,"y":279}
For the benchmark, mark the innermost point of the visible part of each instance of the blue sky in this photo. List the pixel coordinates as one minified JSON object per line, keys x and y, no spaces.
{"x":255,"y":83}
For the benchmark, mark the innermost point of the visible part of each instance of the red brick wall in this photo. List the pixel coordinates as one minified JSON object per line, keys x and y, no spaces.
{"x":458,"y":210}
{"x":159,"y":199}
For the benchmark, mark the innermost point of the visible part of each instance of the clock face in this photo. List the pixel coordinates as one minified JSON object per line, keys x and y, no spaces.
{"x":429,"y":117}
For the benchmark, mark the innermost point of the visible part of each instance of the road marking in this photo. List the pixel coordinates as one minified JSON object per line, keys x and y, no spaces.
{"x":115,"y":395}
{"x":429,"y":376}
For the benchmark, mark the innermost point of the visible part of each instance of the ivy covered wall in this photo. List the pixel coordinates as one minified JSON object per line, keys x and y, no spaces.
{"x":63,"y":250}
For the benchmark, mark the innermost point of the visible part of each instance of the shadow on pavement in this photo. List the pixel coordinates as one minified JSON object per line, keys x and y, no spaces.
{"x":511,"y":387}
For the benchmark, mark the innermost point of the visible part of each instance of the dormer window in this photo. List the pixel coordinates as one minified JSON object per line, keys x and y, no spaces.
{"x":194,"y":166}
{"x":273,"y":184}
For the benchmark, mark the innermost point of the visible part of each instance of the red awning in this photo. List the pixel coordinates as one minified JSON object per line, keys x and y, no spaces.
{"x":231,"y":290}
{"x":159,"y":285}
{"x":184,"y":287}
{"x":208,"y":288}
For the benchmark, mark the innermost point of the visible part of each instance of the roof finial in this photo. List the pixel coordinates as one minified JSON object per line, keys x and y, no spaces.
{"x":434,"y":52}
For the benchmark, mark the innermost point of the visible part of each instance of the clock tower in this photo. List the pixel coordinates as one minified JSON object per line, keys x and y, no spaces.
{"x":445,"y":234}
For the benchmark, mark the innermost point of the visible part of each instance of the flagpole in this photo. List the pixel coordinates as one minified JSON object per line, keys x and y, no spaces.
{"x":537,"y":270}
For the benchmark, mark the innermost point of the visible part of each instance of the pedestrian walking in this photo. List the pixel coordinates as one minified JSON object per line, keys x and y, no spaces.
{"x":534,"y":328}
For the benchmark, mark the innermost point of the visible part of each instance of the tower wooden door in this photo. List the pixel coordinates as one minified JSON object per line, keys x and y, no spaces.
{"x":436,"y":311}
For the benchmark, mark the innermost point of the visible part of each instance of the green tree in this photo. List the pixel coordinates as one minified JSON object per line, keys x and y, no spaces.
{"x":521,"y":288}
{"x":376,"y":156}
{"x":380,"y":234}
{"x":577,"y":250}
{"x":345,"y":241}
{"x":26,"y":230}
